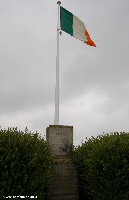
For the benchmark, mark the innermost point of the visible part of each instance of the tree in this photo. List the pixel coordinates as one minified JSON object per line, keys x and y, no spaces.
{"x":25,"y":164}
{"x":103,"y":167}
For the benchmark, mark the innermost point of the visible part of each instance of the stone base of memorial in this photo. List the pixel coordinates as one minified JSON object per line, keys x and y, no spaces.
{"x":65,"y":183}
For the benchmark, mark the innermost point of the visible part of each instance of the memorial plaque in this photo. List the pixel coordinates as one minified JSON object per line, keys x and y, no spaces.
{"x":60,"y":139}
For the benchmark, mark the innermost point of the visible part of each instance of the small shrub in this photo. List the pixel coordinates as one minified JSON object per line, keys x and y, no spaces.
{"x":103,"y":167}
{"x":25,"y":164}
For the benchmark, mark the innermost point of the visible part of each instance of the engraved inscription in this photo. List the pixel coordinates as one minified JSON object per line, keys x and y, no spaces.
{"x":62,"y":133}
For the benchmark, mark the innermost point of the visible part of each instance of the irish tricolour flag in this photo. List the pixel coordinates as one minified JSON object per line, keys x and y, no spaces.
{"x":74,"y":26}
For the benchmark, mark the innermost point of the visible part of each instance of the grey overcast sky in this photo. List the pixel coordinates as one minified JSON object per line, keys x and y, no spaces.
{"x":94,"y":82}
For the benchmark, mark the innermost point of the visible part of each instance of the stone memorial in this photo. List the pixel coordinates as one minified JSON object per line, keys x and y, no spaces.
{"x":60,"y":139}
{"x":65,"y":182}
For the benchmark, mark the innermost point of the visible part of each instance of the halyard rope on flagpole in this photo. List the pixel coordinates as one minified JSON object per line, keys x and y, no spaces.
{"x":56,"y":120}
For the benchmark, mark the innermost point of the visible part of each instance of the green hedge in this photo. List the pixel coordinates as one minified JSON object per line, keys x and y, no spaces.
{"x":103,"y":167}
{"x":25,"y":164}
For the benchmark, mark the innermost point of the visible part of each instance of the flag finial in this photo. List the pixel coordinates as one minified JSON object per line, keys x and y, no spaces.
{"x":59,"y":2}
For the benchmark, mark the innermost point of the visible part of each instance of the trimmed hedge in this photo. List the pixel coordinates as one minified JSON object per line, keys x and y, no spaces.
{"x":25,"y":164}
{"x":103,"y":167}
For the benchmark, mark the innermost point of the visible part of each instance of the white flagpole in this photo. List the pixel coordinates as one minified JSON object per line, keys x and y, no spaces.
{"x":56,"y":121}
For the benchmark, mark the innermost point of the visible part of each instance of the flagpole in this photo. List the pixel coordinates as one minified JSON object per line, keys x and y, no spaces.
{"x":56,"y":120}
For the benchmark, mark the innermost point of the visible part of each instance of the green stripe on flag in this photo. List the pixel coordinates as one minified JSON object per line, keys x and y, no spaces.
{"x":66,"y":18}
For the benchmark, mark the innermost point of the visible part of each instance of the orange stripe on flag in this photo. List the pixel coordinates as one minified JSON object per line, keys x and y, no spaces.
{"x":90,"y":41}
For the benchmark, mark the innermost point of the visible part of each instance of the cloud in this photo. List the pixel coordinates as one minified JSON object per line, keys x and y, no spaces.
{"x":93,"y":81}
